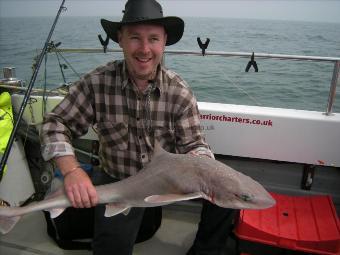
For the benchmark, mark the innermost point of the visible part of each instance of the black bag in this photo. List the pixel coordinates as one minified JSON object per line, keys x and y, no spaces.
{"x":151,"y":222}
{"x":73,"y":229}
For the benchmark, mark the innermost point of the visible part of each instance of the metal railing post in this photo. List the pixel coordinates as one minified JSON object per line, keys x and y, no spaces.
{"x":332,"y":91}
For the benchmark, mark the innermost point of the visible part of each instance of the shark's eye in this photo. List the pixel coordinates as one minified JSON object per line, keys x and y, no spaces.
{"x":245,"y":197}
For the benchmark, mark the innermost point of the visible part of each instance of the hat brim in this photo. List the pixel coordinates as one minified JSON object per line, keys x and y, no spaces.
{"x":174,"y":27}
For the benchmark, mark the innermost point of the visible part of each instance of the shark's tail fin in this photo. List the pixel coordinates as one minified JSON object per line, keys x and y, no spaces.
{"x":7,"y":223}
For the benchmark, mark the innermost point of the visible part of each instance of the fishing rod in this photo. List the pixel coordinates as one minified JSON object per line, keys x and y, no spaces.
{"x":28,"y":93}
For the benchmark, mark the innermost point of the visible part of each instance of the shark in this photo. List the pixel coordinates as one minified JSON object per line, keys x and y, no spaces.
{"x":166,"y":179}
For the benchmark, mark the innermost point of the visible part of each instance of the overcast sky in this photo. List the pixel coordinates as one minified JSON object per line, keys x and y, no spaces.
{"x":311,"y":10}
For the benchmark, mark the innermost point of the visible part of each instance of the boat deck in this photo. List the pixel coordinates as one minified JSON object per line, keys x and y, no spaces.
{"x":175,"y":236}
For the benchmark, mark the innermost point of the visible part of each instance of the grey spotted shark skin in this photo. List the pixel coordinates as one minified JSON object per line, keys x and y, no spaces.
{"x":168,"y":178}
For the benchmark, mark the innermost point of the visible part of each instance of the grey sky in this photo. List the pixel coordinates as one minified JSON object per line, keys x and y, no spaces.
{"x":312,"y":10}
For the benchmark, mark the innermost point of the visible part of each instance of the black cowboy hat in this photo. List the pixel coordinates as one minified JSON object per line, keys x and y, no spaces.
{"x":146,"y":11}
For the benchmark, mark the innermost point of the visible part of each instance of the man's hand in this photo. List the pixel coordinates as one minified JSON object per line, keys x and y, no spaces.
{"x":78,"y":186}
{"x":80,"y":189}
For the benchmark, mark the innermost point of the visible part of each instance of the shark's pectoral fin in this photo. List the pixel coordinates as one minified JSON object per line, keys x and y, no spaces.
{"x":171,"y":198}
{"x":7,"y":223}
{"x":55,"y":212}
{"x":127,"y":211}
{"x":113,"y":209}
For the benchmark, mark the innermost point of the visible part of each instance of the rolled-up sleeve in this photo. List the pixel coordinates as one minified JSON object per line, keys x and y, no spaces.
{"x":69,"y":119}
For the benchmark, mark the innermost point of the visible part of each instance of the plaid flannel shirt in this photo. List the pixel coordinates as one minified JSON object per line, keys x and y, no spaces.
{"x":126,"y":120}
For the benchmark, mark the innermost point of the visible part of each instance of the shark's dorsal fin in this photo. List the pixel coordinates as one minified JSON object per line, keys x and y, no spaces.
{"x":113,"y":209}
{"x":170,"y":198}
{"x":158,"y":150}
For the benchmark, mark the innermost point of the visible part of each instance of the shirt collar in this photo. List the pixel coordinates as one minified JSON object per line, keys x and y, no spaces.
{"x":157,"y":83}
{"x":125,"y":75}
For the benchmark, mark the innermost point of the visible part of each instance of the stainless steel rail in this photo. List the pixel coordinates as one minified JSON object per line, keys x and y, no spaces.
{"x":209,"y":53}
{"x":332,"y":91}
{"x":335,"y":60}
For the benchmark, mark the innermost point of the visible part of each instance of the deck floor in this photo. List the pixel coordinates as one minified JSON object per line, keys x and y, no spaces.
{"x":29,"y":237}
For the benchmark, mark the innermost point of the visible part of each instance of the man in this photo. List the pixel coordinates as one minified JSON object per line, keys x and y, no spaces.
{"x":130,"y":103}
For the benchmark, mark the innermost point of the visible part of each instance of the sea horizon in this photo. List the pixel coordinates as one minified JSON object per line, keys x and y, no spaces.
{"x":286,"y":84}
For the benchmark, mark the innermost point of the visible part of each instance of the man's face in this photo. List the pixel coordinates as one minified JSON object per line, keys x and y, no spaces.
{"x":143,"y":46}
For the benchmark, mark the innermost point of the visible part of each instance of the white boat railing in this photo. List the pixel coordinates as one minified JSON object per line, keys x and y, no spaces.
{"x":335,"y":60}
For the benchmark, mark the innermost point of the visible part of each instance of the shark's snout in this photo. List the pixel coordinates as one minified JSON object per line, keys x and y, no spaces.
{"x":267,"y":201}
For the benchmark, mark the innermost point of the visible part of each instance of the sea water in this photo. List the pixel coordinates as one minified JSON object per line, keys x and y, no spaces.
{"x":279,"y":83}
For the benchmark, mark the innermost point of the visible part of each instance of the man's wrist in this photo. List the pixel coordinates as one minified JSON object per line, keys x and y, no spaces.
{"x":72,"y":170}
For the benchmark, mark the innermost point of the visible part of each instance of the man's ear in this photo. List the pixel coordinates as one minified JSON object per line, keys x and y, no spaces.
{"x":119,"y":36}
{"x":165,"y":38}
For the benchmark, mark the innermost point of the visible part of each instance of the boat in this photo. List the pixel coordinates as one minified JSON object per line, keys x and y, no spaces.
{"x":289,"y":151}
